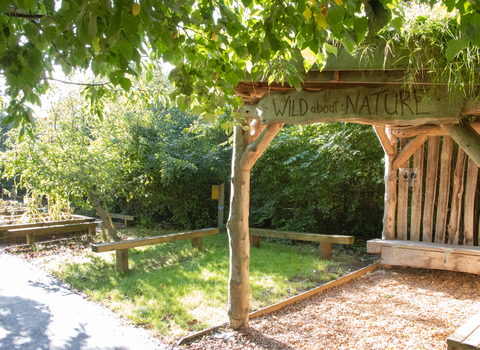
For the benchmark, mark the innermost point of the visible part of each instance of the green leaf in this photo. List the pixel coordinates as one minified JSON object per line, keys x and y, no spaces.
{"x":397,"y":24}
{"x":331,"y":49}
{"x":126,"y":49}
{"x":455,"y":46}
{"x":126,"y":84}
{"x":232,"y":78}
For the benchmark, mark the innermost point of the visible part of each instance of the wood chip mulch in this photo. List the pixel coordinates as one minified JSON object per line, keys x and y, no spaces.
{"x":387,"y":309}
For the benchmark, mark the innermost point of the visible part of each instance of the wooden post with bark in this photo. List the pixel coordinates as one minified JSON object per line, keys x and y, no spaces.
{"x":103,"y":215}
{"x":244,"y":157}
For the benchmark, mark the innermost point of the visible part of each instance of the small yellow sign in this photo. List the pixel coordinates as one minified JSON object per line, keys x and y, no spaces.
{"x":215,"y":192}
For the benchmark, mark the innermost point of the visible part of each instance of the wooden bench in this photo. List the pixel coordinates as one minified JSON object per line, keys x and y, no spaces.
{"x":425,"y":255}
{"x":467,"y":337}
{"x":31,"y":232}
{"x":121,"y":248}
{"x":127,"y":218}
{"x":325,"y":241}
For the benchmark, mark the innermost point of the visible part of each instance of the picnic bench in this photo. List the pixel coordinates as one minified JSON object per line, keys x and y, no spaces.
{"x":121,"y":248}
{"x":47,"y":228}
{"x":126,"y":218}
{"x":325,"y":241}
{"x":427,"y":255}
{"x":467,"y":337}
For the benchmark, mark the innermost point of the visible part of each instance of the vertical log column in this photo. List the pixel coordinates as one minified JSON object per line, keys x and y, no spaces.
{"x":430,"y":187}
{"x":389,"y":143}
{"x":457,"y":194}
{"x":402,"y":211}
{"x":244,"y":157}
{"x":417,"y":195}
{"x":444,"y":189}
{"x":469,"y":206}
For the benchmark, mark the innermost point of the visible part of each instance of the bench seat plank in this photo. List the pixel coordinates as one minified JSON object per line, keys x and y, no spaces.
{"x":312,"y":237}
{"x":76,"y":220}
{"x":49,"y":230}
{"x":140,"y":242}
{"x":374,"y":246}
{"x":122,"y":217}
{"x":473,"y":341}
{"x":464,"y":332}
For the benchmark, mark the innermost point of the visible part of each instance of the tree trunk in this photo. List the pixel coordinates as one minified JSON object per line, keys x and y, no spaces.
{"x":238,"y":233}
{"x":103,"y":216}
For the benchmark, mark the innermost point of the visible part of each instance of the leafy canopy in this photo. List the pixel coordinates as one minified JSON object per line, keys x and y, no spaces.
{"x":212,"y":44}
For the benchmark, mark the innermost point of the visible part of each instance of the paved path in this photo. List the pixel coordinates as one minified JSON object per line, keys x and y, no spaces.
{"x":37,"y":312}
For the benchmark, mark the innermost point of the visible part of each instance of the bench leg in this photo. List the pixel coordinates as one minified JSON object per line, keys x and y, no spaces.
{"x":91,"y":232}
{"x":122,"y":260}
{"x":255,"y":241}
{"x":325,"y":250}
{"x":197,"y":243}
{"x":30,"y":238}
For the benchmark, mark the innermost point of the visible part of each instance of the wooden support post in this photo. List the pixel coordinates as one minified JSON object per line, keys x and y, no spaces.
{"x":402,"y":209}
{"x":30,"y":238}
{"x":467,"y":138}
{"x":243,"y":158}
{"x":325,"y":250}
{"x":91,"y":232}
{"x":122,"y":260}
{"x":430,"y":187}
{"x":197,"y":243}
{"x":417,"y":196}
{"x":221,"y":204}
{"x":408,"y":149}
{"x":444,"y":189}
{"x":390,"y":190}
{"x":469,"y":205}
{"x":457,"y":194}
{"x":255,"y":241}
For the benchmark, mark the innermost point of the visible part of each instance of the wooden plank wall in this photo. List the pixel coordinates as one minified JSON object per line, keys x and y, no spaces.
{"x":443,"y":205}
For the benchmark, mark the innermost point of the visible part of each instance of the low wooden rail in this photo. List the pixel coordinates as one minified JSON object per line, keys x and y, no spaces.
{"x":325,"y":241}
{"x":467,"y":337}
{"x":427,"y":255}
{"x":121,"y":248}
{"x":126,"y":218}
{"x":31,"y":232}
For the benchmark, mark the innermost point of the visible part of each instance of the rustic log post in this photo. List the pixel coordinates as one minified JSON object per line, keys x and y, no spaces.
{"x":402,"y":202}
{"x":122,"y":260}
{"x":444,"y":189}
{"x":417,"y":196}
{"x":103,"y":216}
{"x":457,"y":194}
{"x":469,"y":205}
{"x":197,"y":243}
{"x":390,"y":182}
{"x":244,"y":157}
{"x":430,"y":187}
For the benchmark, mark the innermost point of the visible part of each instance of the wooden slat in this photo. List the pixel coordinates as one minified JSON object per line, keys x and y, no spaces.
{"x":108,"y":247}
{"x":464,"y":331}
{"x":457,"y":194}
{"x":469,"y":203}
{"x":444,"y":189}
{"x":408,"y":150}
{"x":473,"y":340}
{"x":430,"y":188}
{"x":375,"y":246}
{"x":312,"y":237}
{"x":390,"y":191}
{"x":49,"y":230}
{"x":417,"y":196}
{"x":46,"y":223}
{"x":122,"y":217}
{"x":427,"y":259}
{"x":402,"y":202}
{"x":429,"y":130}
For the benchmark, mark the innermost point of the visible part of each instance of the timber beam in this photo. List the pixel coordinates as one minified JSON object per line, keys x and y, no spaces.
{"x":467,"y":138}
{"x":429,"y":130}
{"x":408,"y":151}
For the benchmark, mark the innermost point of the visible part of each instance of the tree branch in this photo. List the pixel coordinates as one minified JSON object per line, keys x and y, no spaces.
{"x":74,"y":83}
{"x":255,"y":149}
{"x":24,"y":15}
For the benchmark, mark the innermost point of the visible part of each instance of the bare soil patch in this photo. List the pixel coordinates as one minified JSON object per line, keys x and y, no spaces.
{"x":386,"y":309}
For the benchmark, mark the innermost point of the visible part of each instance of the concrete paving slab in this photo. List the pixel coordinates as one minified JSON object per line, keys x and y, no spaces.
{"x":37,"y":312}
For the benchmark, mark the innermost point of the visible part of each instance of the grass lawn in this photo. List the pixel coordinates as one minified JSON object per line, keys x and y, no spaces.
{"x":172,"y":289}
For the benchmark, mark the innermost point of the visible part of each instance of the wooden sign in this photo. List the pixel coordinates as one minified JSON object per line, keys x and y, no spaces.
{"x":387,"y":105}
{"x":215,"y":192}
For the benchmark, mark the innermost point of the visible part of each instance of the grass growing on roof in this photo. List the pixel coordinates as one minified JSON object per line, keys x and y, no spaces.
{"x":172,"y":288}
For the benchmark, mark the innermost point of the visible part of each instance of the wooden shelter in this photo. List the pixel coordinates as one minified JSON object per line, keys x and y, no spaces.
{"x":432,"y":154}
